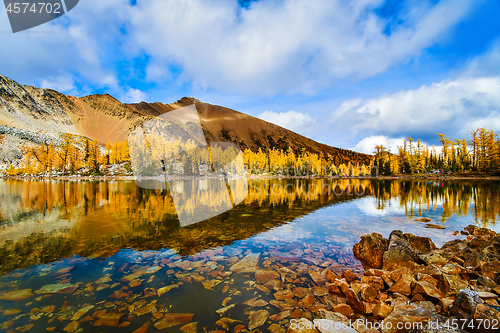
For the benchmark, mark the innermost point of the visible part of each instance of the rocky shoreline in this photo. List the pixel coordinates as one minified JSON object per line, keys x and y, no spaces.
{"x":410,"y":285}
{"x":406,"y":284}
{"x":130,"y":176}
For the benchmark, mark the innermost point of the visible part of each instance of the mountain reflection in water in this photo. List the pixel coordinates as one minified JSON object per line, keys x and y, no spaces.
{"x":42,"y":221}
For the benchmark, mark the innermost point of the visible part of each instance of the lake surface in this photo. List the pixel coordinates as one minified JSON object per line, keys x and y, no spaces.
{"x":94,"y":255}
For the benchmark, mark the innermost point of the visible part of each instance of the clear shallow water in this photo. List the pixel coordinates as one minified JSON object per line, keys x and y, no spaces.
{"x":115,"y":246}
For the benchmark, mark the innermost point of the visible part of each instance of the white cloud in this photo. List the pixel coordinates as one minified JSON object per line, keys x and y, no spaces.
{"x":73,"y":47}
{"x":452,"y":107}
{"x":292,"y":120}
{"x":369,"y":206}
{"x":469,"y":100}
{"x":60,"y":83}
{"x":133,"y":96}
{"x":367,"y":145}
{"x":269,"y":48}
{"x":284,"y":46}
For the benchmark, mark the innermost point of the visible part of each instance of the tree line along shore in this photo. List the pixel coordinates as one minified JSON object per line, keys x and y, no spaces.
{"x":80,"y":156}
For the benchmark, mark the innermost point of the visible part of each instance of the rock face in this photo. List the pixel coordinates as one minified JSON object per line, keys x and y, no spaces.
{"x":370,"y":250}
{"x":420,"y":244}
{"x":465,"y":304}
{"x":399,"y":253}
{"x":418,"y":281}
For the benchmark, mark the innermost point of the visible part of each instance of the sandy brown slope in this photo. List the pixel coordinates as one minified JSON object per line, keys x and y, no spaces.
{"x":223,"y":124}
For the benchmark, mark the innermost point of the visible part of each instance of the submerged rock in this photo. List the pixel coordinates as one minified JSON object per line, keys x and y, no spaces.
{"x":16,"y":296}
{"x":190,"y":328}
{"x":71,"y":327}
{"x":434,"y":226}
{"x":164,"y":290}
{"x":247,"y":264}
{"x":11,"y":312}
{"x":209,"y":284}
{"x":255,"y":302}
{"x":109,"y":319}
{"x":226,"y":322}
{"x":302,"y":325}
{"x":78,"y":314}
{"x":173,"y":319}
{"x":263,"y":276}
{"x":257,"y":318}
{"x":67,"y":288}
{"x":223,"y":310}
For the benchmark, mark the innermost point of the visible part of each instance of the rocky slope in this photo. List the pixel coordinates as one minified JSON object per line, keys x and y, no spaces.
{"x":104,"y":118}
{"x":409,"y":285}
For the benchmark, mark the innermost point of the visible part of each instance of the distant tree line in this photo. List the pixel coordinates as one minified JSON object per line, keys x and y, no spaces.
{"x":279,"y":162}
{"x":480,"y":153}
{"x":74,"y":155}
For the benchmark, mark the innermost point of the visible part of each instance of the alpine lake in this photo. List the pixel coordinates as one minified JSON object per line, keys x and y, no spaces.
{"x":107,"y":256}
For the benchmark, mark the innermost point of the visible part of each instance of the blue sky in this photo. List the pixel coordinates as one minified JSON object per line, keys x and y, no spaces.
{"x":351,"y":74}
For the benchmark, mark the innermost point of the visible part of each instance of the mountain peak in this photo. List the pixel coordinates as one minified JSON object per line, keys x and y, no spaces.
{"x":104,"y":118}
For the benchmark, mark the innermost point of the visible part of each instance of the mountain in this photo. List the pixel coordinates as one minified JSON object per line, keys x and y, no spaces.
{"x":103,"y":118}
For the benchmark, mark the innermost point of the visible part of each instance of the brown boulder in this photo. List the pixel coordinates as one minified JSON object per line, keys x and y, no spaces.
{"x":475,"y":260}
{"x":374,"y":281}
{"x":318,"y":278}
{"x":403,"y":284}
{"x":420,"y":244}
{"x":450,"y":284}
{"x":263,"y":276}
{"x":446,"y":303}
{"x":491,"y":269}
{"x":370,"y":250}
{"x":338,"y":287}
{"x":330,"y":275}
{"x":352,"y":299}
{"x":349,"y":276}
{"x":480,"y":233}
{"x":399,"y":253}
{"x":465,"y":304}
{"x":427,"y":289}
{"x":369,"y":293}
{"x":343,"y":309}
{"x":382,"y":310}
{"x":436,"y":257}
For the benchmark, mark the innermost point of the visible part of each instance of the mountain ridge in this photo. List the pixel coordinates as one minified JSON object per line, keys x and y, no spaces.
{"x":104,"y":118}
